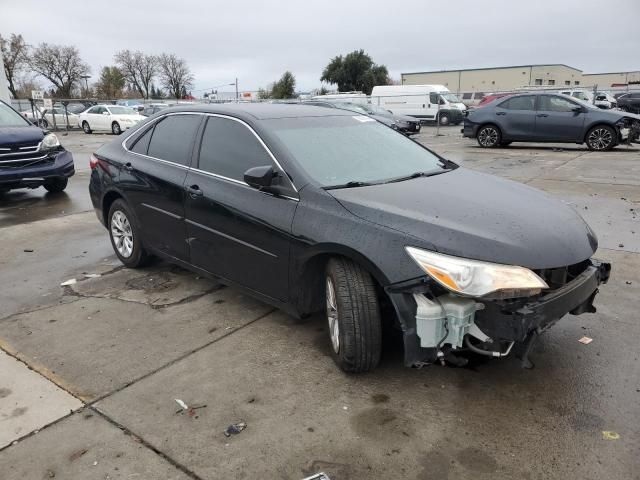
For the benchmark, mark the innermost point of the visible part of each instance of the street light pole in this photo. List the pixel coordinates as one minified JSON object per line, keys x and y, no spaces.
{"x":86,"y":84}
{"x":236,"y":89}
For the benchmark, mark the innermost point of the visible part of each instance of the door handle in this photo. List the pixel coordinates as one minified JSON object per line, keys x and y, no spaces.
{"x":128,"y":166}
{"x":501,"y":113}
{"x":194,"y":191}
{"x":542,"y":115}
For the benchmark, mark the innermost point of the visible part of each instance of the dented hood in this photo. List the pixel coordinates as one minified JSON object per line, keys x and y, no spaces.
{"x":475,"y":215}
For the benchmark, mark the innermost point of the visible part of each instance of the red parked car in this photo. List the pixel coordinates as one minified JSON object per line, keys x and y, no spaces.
{"x":491,"y":97}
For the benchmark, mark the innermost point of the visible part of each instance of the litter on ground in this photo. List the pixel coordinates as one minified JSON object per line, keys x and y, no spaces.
{"x":586,"y":340}
{"x":234,"y":429}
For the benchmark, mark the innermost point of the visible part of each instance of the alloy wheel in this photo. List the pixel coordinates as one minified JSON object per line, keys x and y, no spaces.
{"x":122,"y":234}
{"x":332,"y":316}
{"x":600,"y":139}
{"x":488,"y":137}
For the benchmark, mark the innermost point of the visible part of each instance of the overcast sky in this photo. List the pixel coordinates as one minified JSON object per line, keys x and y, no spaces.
{"x":257,"y":41}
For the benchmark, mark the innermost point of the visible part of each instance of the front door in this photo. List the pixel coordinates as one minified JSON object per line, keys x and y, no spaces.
{"x":235,"y":231}
{"x":556,"y":120}
{"x":153,"y":181}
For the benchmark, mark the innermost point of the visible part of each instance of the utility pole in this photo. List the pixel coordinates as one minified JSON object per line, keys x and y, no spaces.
{"x":236,"y":89}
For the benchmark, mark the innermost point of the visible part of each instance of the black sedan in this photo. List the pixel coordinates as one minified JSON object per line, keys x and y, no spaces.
{"x":545,"y":117}
{"x":323,"y":210}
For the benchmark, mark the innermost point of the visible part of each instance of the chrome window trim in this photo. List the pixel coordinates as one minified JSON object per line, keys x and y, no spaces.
{"x":222,"y":177}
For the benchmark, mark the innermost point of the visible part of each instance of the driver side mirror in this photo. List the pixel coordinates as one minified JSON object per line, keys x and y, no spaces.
{"x":260,"y":177}
{"x":578,"y":109}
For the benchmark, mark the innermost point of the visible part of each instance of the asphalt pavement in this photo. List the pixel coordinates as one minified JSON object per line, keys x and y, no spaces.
{"x":90,"y":372}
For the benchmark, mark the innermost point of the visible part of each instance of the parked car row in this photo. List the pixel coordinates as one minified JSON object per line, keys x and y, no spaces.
{"x":548,"y":117}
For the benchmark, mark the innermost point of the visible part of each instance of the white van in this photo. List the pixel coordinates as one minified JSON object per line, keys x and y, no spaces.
{"x":420,"y":101}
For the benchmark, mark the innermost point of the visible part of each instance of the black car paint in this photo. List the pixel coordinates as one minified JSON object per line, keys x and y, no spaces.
{"x":32,"y":169}
{"x":275,"y":246}
{"x":541,"y":125}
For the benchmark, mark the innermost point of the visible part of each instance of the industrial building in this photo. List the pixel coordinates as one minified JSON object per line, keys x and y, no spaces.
{"x":513,"y":77}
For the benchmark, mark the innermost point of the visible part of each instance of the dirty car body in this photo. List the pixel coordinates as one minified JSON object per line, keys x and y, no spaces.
{"x":445,"y":247}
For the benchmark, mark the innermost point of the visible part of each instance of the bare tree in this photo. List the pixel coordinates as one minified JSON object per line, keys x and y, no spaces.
{"x":59,"y":64}
{"x":175,"y":74}
{"x":14,"y":54}
{"x":138,"y":69}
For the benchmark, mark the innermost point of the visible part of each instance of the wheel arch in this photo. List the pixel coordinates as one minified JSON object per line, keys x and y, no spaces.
{"x":108,"y":199}
{"x":308,"y":274}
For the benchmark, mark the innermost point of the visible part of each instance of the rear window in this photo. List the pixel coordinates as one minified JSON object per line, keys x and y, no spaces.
{"x":173,"y":138}
{"x":142,"y":144}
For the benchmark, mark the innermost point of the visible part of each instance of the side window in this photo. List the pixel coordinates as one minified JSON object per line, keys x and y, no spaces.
{"x":526,"y":102}
{"x":93,"y":110}
{"x":556,"y":104}
{"x":142,"y":144}
{"x":466,"y":96}
{"x":173,"y":138}
{"x":229,"y":149}
{"x":100,"y":110}
{"x":433,"y":98}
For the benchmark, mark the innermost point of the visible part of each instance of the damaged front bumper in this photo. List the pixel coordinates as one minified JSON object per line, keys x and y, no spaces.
{"x":490,"y":321}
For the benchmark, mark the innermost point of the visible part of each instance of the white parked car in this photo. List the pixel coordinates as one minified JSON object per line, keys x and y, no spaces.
{"x":46,"y":118}
{"x":110,"y":118}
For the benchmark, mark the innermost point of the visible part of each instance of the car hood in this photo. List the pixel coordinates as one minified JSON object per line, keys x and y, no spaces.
{"x":26,"y":134}
{"x":475,"y":215}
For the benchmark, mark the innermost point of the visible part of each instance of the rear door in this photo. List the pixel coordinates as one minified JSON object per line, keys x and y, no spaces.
{"x":516,"y":117}
{"x":153,"y":181}
{"x":235,"y":231}
{"x":556,"y":120}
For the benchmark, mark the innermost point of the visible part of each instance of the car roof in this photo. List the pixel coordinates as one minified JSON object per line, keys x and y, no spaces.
{"x":262,"y":111}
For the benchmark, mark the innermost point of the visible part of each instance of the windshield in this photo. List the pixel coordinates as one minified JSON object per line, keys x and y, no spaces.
{"x":10,"y":118}
{"x":340,"y":149}
{"x":121,"y":111}
{"x":450,"y":97}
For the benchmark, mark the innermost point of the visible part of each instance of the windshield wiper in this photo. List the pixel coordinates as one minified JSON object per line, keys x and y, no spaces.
{"x":418,"y":175}
{"x":351,"y":184}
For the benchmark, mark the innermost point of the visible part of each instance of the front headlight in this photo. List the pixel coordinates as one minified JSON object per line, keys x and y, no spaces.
{"x":478,"y":279}
{"x":50,"y":141}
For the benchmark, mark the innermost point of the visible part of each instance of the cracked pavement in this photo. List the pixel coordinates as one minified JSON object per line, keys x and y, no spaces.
{"x":89,"y":372}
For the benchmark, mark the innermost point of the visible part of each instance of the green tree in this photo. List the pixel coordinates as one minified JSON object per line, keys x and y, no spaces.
{"x":285,"y":87}
{"x":111,"y":83}
{"x":355,"y":71}
{"x":15,"y":56}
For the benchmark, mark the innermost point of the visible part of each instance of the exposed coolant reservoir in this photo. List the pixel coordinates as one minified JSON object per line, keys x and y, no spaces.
{"x":434,"y":317}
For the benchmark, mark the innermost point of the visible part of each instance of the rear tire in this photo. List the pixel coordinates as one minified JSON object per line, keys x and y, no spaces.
{"x":601,"y":138}
{"x":56,"y":185}
{"x":125,"y":236}
{"x":353,"y":313}
{"x":489,"y":136}
{"x":115,"y":128}
{"x":85,"y":127}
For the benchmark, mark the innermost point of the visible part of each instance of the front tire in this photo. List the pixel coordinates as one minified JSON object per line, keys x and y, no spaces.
{"x":115,"y":128}
{"x":353,"y":314}
{"x":601,"y":138}
{"x":85,"y":127}
{"x":489,"y":136}
{"x":125,"y":237}
{"x":56,"y":185}
{"x":443,"y":119}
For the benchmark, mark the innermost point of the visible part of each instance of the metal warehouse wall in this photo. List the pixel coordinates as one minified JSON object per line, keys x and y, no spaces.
{"x":495,"y":79}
